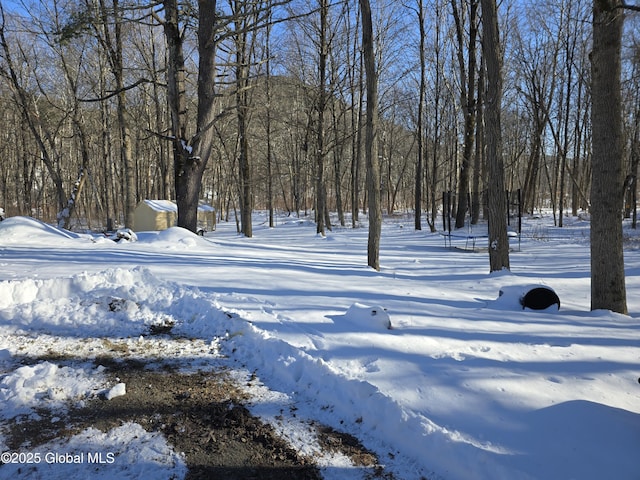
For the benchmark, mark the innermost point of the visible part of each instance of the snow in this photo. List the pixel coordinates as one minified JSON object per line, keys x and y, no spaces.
{"x":169,"y":206}
{"x":46,"y":385}
{"x":466,"y":384}
{"x":368,"y":316}
{"x":127,"y":451}
{"x":162,"y":205}
{"x":118,"y":390}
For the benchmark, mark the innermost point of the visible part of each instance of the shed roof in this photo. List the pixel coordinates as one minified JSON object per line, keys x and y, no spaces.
{"x":162,"y":205}
{"x":169,"y":206}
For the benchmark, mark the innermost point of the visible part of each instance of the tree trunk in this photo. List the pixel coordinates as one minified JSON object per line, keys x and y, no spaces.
{"x":164,"y":163}
{"x":496,"y":199}
{"x":478,"y":165}
{"x":190,"y":153}
{"x":116,"y":53}
{"x":635,"y":162}
{"x":177,"y":107}
{"x":420,"y":133}
{"x":371,"y":139}
{"x":127,"y":158}
{"x":607,"y":260}
{"x":338,"y":153}
{"x":432,"y":171}
{"x":323,"y":50}
{"x":533,"y":166}
{"x":356,"y":146}
{"x":467,"y":82}
{"x":241,"y":16}
{"x":267,"y":87}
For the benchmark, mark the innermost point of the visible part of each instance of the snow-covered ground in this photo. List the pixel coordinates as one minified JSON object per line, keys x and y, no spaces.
{"x":465,"y":385}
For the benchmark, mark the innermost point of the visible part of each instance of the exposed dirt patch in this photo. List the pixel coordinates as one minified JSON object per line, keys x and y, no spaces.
{"x":346,"y":444}
{"x":201,"y":415}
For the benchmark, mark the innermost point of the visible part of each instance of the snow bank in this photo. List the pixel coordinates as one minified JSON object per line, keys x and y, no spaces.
{"x":77,"y":313}
{"x":120,"y":302}
{"x":177,"y":238}
{"x":46,"y":385}
{"x":29,"y":231}
{"x":359,"y":407}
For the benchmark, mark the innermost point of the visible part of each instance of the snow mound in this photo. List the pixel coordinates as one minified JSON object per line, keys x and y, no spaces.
{"x":121,"y":302}
{"x":27,"y":230}
{"x":124,"y":235}
{"x":117,"y":390}
{"x":174,"y":237}
{"x":368,"y":316}
{"x":530,"y":297}
{"x":126,"y":452}
{"x":46,"y":385}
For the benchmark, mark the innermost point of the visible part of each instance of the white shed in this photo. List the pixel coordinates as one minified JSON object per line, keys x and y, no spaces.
{"x":151,"y":215}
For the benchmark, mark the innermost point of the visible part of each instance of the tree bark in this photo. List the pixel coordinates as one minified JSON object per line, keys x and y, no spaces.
{"x":496,"y":199}
{"x":432,"y":171}
{"x":177,"y":107}
{"x":241,"y":19}
{"x":206,"y":115}
{"x":191,"y":153}
{"x":268,"y":112}
{"x":468,"y":100}
{"x":608,"y":289}
{"x":321,"y":105}
{"x":420,"y":133}
{"x":371,"y":140}
{"x":478,"y":161}
{"x":356,"y":143}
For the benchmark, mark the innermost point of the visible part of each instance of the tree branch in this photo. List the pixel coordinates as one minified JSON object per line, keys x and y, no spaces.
{"x":626,"y":6}
{"x":116,"y":92}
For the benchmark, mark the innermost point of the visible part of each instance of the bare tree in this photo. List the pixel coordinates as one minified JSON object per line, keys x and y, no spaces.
{"x":241,"y":13}
{"x":268,"y":123}
{"x":420,"y":12}
{"x":537,"y":63}
{"x":497,"y":208}
{"x":191,"y":151}
{"x":468,"y":98}
{"x":631,"y":197}
{"x":246,"y":19}
{"x":186,"y":165}
{"x":108,"y":27}
{"x":371,"y":148}
{"x":29,"y":109}
{"x":432,"y":169}
{"x":80,"y":130}
{"x":321,"y":107}
{"x":355,"y":74}
{"x":608,"y":289}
